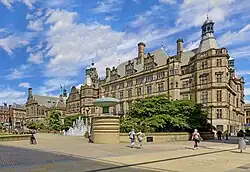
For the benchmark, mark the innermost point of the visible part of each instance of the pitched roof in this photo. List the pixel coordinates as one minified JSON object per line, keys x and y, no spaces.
{"x":186,"y":56}
{"x":160,"y":57}
{"x":47,"y":101}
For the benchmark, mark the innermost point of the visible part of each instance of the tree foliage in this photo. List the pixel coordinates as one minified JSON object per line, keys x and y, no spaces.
{"x":31,"y":125}
{"x":158,"y":113}
{"x":54,"y":121}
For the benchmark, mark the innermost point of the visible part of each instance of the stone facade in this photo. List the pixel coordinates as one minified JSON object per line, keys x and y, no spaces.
{"x":17,"y":114}
{"x":204,"y":75}
{"x":247,"y":113}
{"x":38,"y":107}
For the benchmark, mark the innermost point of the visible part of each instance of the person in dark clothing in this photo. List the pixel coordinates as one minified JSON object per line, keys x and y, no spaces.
{"x":32,"y":137}
{"x":219,"y":134}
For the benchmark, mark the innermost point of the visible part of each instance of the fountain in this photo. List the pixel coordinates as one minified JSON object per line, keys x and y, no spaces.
{"x":79,"y":128}
{"x":106,"y":127}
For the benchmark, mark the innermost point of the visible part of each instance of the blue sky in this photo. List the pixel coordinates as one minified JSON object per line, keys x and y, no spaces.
{"x":48,"y":43}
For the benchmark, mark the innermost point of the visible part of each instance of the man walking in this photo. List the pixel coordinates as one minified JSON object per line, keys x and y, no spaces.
{"x":196,"y":138}
{"x":219,"y":134}
{"x":132,"y":138}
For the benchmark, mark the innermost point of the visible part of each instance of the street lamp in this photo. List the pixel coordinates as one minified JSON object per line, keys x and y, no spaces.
{"x":211,"y":117}
{"x":87,"y":116}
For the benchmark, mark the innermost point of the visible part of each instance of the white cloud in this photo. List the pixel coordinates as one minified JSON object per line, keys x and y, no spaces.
{"x":243,"y":72}
{"x":24,"y":85}
{"x":192,"y":45}
{"x":10,"y":96}
{"x":36,"y":25}
{"x":247,"y":91}
{"x":241,"y":52}
{"x":9,"y":3}
{"x":107,"y":6}
{"x":235,"y":38}
{"x":68,"y":47}
{"x":19,"y":73}
{"x":54,"y":84}
{"x":168,"y":1}
{"x":193,"y":12}
{"x":110,"y":18}
{"x":11,"y":42}
{"x":36,"y":58}
{"x":145,"y":18}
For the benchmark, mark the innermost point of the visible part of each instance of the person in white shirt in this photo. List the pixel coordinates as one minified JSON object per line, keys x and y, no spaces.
{"x":196,"y":138}
{"x":132,"y":138}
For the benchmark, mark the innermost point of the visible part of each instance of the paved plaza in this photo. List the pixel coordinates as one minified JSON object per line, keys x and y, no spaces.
{"x":60,"y":153}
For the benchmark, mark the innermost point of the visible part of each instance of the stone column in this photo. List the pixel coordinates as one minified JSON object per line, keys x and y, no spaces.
{"x":106,"y":129}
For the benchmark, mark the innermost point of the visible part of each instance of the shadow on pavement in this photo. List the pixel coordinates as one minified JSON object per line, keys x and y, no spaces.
{"x":231,"y":140}
{"x":238,"y":152}
{"x":156,"y":161}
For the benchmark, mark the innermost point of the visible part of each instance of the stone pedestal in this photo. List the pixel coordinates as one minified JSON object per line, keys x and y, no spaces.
{"x":106,"y":129}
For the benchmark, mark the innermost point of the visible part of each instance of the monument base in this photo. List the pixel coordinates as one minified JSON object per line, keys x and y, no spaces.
{"x":106,"y":129}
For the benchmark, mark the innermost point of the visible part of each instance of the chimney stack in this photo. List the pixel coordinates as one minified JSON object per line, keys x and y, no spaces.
{"x":108,"y":72}
{"x":179,"y":47}
{"x":141,"y":47}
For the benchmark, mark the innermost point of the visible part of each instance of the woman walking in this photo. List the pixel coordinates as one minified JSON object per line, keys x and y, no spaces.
{"x":140,"y":137}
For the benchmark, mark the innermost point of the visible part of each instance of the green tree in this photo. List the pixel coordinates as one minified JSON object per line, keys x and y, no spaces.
{"x":54,"y":121}
{"x":31,"y":125}
{"x":158,"y":113}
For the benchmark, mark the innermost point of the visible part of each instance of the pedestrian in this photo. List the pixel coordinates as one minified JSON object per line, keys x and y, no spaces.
{"x":242,"y":144}
{"x":140,"y":138}
{"x":226,"y":134}
{"x":219,"y":134}
{"x":196,"y":138}
{"x":132,"y":138}
{"x":32,"y":137}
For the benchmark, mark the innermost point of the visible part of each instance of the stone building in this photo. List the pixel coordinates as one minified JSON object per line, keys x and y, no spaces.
{"x":4,"y":113}
{"x":38,"y":107}
{"x":204,"y":75}
{"x":247,"y":113}
{"x":17,"y":114}
{"x":80,"y":101}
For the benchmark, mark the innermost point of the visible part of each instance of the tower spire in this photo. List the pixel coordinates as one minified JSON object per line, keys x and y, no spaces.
{"x":162,"y":44}
{"x":207,"y":10}
{"x":92,"y":62}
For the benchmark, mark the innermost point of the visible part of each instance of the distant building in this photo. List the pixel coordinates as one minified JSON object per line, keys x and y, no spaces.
{"x":205,"y":75}
{"x":247,"y":113}
{"x":4,"y":113}
{"x":38,"y":107}
{"x":18,"y":115}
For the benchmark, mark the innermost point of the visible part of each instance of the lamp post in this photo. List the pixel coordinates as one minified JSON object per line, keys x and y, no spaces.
{"x":87,"y":120}
{"x":211,"y":117}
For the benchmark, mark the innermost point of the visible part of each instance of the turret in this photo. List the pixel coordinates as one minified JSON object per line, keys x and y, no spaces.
{"x":179,"y":47}
{"x":231,"y":67}
{"x":64,"y":92}
{"x":141,"y":48}
{"x":29,"y":92}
